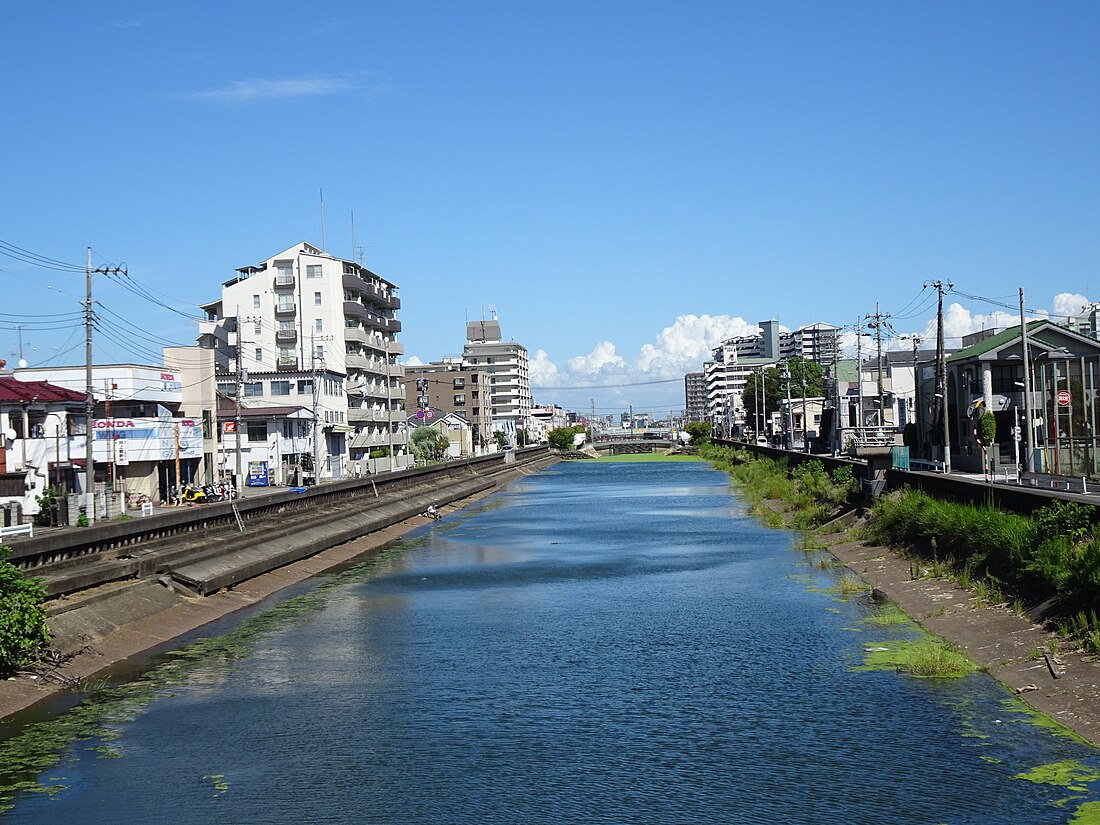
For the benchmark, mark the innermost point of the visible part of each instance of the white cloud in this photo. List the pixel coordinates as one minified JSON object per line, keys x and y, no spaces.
{"x":543,"y":371}
{"x":684,"y":346}
{"x":277,"y":88}
{"x":411,"y":361}
{"x":602,"y":360}
{"x":1069,"y":303}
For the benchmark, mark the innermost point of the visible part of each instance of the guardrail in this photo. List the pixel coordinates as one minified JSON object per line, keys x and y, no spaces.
{"x":105,"y":537}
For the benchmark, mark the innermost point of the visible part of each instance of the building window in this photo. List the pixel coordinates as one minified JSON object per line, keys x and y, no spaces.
{"x":255,"y":301}
{"x":317,"y":299}
{"x":318,"y":325}
{"x":227,"y":388}
{"x":253,"y":389}
{"x":460,"y":399}
{"x":280,"y":388}
{"x":286,"y":326}
{"x":320,"y":352}
{"x":258,"y":329}
{"x":259,"y":355}
{"x":460,"y":383}
{"x":305,"y":387}
{"x":257,"y":431}
{"x":288,"y":429}
{"x":285,"y":304}
{"x":313,"y":270}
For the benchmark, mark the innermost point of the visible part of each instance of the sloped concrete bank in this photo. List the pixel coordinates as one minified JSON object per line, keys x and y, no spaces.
{"x":101,"y":626}
{"x":1007,"y":645}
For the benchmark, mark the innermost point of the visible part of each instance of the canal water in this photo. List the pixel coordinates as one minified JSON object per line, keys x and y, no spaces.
{"x":602,"y":642}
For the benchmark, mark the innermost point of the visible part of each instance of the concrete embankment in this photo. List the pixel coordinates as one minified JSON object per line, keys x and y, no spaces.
{"x":1006,"y":644}
{"x":184,"y":583}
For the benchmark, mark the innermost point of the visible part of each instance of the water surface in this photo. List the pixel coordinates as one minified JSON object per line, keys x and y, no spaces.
{"x":600,"y":643}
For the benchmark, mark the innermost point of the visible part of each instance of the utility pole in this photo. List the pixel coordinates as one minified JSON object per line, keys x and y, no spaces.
{"x":389,"y":403}
{"x":111,"y":436}
{"x":941,"y":374}
{"x":859,"y":375}
{"x":89,"y":401}
{"x":790,"y":416}
{"x":240,"y":389}
{"x":805,"y":421}
{"x":316,"y":397}
{"x":876,"y":321}
{"x":1029,"y":414}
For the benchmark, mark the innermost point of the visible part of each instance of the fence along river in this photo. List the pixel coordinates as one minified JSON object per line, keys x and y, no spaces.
{"x":602,"y":642}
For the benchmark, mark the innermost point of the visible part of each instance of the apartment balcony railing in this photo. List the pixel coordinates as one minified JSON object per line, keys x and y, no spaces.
{"x":284,"y":280}
{"x":286,"y":336}
{"x":285,"y":309}
{"x":286,"y":362}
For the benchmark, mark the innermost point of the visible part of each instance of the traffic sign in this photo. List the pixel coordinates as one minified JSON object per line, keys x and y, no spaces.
{"x":419,"y":413}
{"x":1063,"y":398}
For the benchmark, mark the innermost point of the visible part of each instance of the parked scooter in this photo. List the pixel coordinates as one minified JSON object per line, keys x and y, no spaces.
{"x":192,"y":495}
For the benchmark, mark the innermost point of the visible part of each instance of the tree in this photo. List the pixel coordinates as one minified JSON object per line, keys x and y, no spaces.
{"x":429,"y":444}
{"x":500,"y":438}
{"x":699,"y":432}
{"x":775,"y":388}
{"x":562,"y":438}
{"x":521,"y":437}
{"x":23,"y":630}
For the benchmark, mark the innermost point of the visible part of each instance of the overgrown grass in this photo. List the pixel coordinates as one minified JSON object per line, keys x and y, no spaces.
{"x":803,"y":498}
{"x":928,"y":657}
{"x":992,"y":552}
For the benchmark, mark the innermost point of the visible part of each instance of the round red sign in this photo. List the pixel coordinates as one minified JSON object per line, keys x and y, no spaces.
{"x":1063,"y":398}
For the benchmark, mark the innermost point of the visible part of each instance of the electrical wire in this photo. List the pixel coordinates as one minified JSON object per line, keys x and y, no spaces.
{"x":10,"y":250}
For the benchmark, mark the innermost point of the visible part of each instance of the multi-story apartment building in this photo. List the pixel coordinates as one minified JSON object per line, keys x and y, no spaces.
{"x":506,"y":369}
{"x":312,"y":330}
{"x":695,"y":396}
{"x":817,"y":342}
{"x":449,"y":386}
{"x":736,"y":359}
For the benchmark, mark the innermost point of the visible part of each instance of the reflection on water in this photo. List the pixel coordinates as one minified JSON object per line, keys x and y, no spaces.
{"x":607,"y":643}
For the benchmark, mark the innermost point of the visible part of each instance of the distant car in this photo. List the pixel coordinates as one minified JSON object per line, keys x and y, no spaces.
{"x":761,"y":441}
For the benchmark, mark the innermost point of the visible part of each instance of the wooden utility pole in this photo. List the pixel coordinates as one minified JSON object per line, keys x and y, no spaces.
{"x":89,"y":401}
{"x":941,"y":374}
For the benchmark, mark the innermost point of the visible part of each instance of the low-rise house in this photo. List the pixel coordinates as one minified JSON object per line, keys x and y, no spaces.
{"x":42,"y":438}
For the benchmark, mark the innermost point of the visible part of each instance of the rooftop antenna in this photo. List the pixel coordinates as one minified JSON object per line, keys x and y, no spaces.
{"x":323,"y":219}
{"x":493,"y":311}
{"x":353,"y":235}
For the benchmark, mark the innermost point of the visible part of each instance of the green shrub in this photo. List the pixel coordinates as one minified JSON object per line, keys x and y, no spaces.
{"x":1070,"y":519}
{"x":23,"y":629}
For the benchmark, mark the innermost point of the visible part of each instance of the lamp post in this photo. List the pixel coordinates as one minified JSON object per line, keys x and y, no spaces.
{"x":57,"y":445}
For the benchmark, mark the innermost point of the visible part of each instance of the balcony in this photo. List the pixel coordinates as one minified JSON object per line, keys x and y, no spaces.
{"x":286,"y":336}
{"x":284,"y":280}
{"x":287,"y":362}
{"x":285,"y":309}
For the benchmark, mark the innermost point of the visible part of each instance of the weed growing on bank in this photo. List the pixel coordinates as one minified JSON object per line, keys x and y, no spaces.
{"x":23,"y":631}
{"x":1054,"y":552}
{"x":807,"y":496}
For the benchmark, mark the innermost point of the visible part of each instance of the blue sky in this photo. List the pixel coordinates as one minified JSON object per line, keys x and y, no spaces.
{"x":626,"y":182}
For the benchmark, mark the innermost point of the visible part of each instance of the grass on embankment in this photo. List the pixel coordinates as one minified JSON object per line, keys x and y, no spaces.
{"x":1053,"y":552}
{"x":805,"y":497}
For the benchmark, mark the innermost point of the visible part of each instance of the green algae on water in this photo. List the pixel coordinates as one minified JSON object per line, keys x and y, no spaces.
{"x":88,"y":727}
{"x":1087,"y":813}
{"x":1029,"y":715}
{"x":1069,"y":773}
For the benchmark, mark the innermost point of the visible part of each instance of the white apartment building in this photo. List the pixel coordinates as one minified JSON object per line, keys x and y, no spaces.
{"x":304,"y":328}
{"x":505,"y":366}
{"x":736,"y":359}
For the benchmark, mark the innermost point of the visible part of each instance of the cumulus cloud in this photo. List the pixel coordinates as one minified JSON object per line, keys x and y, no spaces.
{"x":1069,"y":303}
{"x":411,"y":361}
{"x":543,"y":371}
